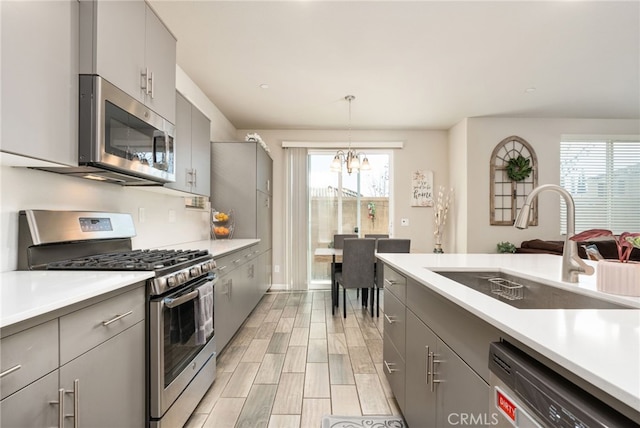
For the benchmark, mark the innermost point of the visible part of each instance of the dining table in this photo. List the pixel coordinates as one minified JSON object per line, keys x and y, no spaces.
{"x":333,"y":256}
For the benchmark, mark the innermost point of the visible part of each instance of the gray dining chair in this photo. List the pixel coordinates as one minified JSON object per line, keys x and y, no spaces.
{"x":386,"y":245}
{"x":375,"y":236}
{"x":338,"y":243}
{"x":358,"y":265}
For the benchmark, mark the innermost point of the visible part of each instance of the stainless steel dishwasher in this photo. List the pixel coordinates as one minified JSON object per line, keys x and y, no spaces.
{"x":527,"y":394}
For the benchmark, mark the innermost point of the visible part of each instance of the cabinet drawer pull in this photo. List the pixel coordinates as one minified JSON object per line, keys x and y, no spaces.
{"x":237,"y":261}
{"x":389,"y":319}
{"x":11,"y":370}
{"x":388,"y":366}
{"x":221,"y":268}
{"x":116,"y":318}
{"x":390,"y":282}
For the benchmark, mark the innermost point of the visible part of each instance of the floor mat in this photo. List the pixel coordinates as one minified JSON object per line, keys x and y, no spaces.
{"x":334,"y":421}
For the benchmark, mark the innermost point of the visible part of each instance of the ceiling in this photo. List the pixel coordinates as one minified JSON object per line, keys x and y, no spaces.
{"x":410,"y":65}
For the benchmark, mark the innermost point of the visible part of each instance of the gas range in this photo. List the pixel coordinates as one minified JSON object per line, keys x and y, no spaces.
{"x":180,"y":330}
{"x":86,"y":240}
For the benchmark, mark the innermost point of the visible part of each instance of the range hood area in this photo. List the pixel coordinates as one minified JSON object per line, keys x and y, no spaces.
{"x":102,"y":174}
{"x":120,"y":140}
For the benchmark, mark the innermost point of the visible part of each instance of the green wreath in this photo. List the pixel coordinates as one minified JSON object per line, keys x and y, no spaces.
{"x":518,"y":168}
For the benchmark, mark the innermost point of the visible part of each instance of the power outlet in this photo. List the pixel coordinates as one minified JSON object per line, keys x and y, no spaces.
{"x":276,"y":269}
{"x":142,"y":215}
{"x":172,"y":216}
{"x":404,"y":222}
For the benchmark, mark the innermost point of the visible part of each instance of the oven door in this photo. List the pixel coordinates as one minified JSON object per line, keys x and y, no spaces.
{"x":175,"y":356}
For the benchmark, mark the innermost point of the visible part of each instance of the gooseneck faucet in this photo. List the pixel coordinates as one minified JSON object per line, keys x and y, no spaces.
{"x":572,"y":264}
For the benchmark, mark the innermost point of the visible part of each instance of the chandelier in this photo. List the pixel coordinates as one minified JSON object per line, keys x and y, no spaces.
{"x":350,"y":158}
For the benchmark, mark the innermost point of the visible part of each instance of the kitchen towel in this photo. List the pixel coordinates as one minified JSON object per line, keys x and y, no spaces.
{"x":204,"y":313}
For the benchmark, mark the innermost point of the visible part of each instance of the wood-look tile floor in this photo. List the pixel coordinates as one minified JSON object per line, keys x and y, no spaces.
{"x":292,"y":362}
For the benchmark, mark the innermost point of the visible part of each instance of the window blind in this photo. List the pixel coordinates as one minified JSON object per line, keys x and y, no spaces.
{"x":603,"y":177}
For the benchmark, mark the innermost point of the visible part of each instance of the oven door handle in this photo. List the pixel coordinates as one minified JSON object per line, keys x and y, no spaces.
{"x":172,"y":303}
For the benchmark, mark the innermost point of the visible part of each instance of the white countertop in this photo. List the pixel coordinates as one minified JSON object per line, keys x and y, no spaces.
{"x":217,"y":247}
{"x":28,"y":294}
{"x":600,"y":346}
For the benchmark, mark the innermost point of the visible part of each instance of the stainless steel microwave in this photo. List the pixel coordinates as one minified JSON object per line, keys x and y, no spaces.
{"x":120,"y":139}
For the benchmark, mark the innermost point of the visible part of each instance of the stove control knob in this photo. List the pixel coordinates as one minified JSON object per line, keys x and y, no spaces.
{"x":183,"y":277}
{"x":195,"y":271}
{"x":172,"y":281}
{"x":205,"y":267}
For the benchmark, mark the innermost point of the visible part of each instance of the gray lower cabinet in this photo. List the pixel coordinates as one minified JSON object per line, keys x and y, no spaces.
{"x":32,"y":406}
{"x":109,"y":382}
{"x":435,"y":355}
{"x":237,"y":292}
{"x":92,"y":357}
{"x":440,"y":389}
{"x":222,"y":316}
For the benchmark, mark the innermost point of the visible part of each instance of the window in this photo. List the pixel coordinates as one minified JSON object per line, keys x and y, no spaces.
{"x":344,"y":203}
{"x":603,"y":176}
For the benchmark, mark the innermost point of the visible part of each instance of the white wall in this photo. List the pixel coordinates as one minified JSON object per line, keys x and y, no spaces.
{"x":422,"y":150}
{"x":221,"y":128}
{"x":458,"y":176}
{"x":544,"y":135}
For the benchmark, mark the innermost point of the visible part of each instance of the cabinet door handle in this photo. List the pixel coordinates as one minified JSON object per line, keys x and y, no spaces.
{"x":195,"y":177}
{"x":389,"y":319}
{"x":11,"y":370}
{"x":151,"y":80}
{"x":432,"y":371}
{"x":76,"y":403}
{"x":426,"y":369}
{"x":60,"y":404}
{"x":116,"y":318}
{"x":388,"y":366}
{"x":144,"y":80}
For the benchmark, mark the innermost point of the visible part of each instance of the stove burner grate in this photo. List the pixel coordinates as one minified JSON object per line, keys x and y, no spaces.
{"x":130,"y":260}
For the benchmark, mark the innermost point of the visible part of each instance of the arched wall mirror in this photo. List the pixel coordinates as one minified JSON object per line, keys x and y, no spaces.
{"x":514,"y":173}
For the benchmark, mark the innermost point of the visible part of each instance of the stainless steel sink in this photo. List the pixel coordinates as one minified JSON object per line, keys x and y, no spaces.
{"x":522,"y":293}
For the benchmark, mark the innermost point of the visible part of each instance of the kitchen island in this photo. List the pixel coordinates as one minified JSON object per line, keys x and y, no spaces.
{"x":597,"y":348}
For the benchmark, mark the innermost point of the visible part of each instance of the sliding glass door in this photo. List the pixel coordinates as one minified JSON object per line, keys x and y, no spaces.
{"x":344,"y":203}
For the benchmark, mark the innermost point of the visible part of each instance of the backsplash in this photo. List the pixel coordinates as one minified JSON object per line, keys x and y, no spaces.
{"x":166,"y":220}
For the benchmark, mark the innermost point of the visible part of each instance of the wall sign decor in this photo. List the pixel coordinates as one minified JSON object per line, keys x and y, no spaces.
{"x":422,"y":188}
{"x":513,"y":174}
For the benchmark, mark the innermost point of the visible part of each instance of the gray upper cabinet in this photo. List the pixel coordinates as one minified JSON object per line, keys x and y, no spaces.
{"x":264,"y":172}
{"x":241,"y":180}
{"x":40,"y":80}
{"x":127,"y":44}
{"x":193,"y":170}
